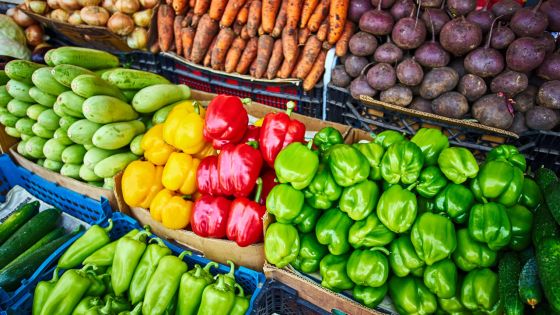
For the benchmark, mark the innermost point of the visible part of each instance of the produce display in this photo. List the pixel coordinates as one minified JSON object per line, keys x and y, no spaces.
{"x":19,"y":33}
{"x":497,"y":65}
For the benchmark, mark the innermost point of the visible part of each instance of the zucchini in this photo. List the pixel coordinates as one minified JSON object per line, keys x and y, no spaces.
{"x":54,"y":166}
{"x":130,"y":79}
{"x":109,"y":167}
{"x":9,"y":120}
{"x":552,"y":198}
{"x":25,"y":126}
{"x":64,"y":74}
{"x":161,"y":114}
{"x":51,"y":236}
{"x":87,"y":85}
{"x":82,"y":131}
{"x":4,"y":78}
{"x":49,"y":119}
{"x":73,"y":154}
{"x":91,"y":59}
{"x":12,"y":132}
{"x":44,"y":80}
{"x":88,"y":174}
{"x":5,"y":97}
{"x":106,"y":109}
{"x":104,"y":73}
{"x":544,"y":177}
{"x":135,"y":146}
{"x":35,"y":110}
{"x":21,"y":148}
{"x":154,"y":97}
{"x":53,"y":150}
{"x":66,"y":121}
{"x":57,"y":108}
{"x":530,"y":289}
{"x":71,"y":170}
{"x":19,"y":91}
{"x":17,"y":219}
{"x":117,"y":135}
{"x":28,"y":234}
{"x":62,"y":137}
{"x":96,"y":155}
{"x":41,"y":97}
{"x":21,"y":70}
{"x":71,"y":104}
{"x":18,"y":108}
{"x":34,"y":147}
{"x":509,"y":269}
{"x":40,"y":131}
{"x":48,"y":59}
{"x":548,"y":260}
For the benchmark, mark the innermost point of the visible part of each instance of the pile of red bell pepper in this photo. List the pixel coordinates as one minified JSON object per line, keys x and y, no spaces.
{"x":234,"y":185}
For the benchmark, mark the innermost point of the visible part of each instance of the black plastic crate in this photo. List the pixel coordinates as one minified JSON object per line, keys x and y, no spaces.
{"x":4,"y":6}
{"x":141,"y":60}
{"x":336,"y":103}
{"x":277,"y":298}
{"x":546,"y":150}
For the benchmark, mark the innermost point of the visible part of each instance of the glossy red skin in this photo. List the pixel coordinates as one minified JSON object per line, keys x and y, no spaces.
{"x":268,"y":176}
{"x":225,"y":122}
{"x":277,"y":131}
{"x":239,"y":166}
{"x":209,"y":216}
{"x":251,"y":134}
{"x":245,"y":222}
{"x":207,"y":177}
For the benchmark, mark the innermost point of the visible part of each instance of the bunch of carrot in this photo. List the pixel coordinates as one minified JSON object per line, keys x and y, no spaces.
{"x":265,"y":38}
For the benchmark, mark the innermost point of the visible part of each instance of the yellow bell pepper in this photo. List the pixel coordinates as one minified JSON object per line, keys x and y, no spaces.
{"x":208,"y":150}
{"x":171,"y":210}
{"x":155,"y":149}
{"x":179,"y":174}
{"x":141,"y":181}
{"x":183,"y":128}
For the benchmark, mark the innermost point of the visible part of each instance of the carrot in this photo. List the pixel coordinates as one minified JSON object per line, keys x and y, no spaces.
{"x":195,"y":20}
{"x":264,"y":51}
{"x":323,"y":29}
{"x":247,"y":57}
{"x":320,"y":13}
{"x":269,"y":10}
{"x":310,"y":53}
{"x":316,"y":72}
{"x":308,"y":8}
{"x":168,"y":2}
{"x":208,"y":57}
{"x":206,"y":31}
{"x":192,"y":3}
{"x":243,"y":14}
{"x":327,"y":46}
{"x":300,"y":56}
{"x":260,"y":31}
{"x":223,"y":42}
{"x":234,"y":53}
{"x":244,"y":33}
{"x":177,"y":33}
{"x":237,"y":28}
{"x":187,"y":20}
{"x":230,"y":13}
{"x":180,"y":6}
{"x":201,"y":7}
{"x":154,"y":49}
{"x":253,"y":68}
{"x":342,"y":44}
{"x":287,"y":67}
{"x":217,"y":8}
{"x":275,"y":60}
{"x":280,"y":19}
{"x":165,"y":21}
{"x":187,"y":38}
{"x":254,"y":19}
{"x":294,"y":13}
{"x":289,"y":43}
{"x":303,"y":35}
{"x":337,"y":18}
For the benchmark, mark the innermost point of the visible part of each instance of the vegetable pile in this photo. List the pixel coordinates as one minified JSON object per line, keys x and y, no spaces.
{"x":496,"y":65}
{"x":132,"y":276}
{"x":415,"y":219}
{"x":18,"y":32}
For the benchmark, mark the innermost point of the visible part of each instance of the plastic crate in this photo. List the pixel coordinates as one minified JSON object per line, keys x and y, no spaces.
{"x":278,"y":298}
{"x":77,"y":205}
{"x":267,"y":93}
{"x":250,"y":280}
{"x":4,"y":6}
{"x":141,"y":60}
{"x":546,"y":149}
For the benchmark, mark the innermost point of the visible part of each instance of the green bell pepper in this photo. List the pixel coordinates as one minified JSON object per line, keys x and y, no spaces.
{"x":146,"y":268}
{"x":508,"y":153}
{"x":86,"y":304}
{"x":457,"y":164}
{"x":397,"y":209}
{"x":430,"y":182}
{"x":402,"y":163}
{"x":97,"y":286}
{"x":67,"y":293}
{"x":333,"y":273}
{"x":403,"y":258}
{"x":102,"y":309}
{"x":191,"y":288}
{"x":326,"y":138}
{"x":471,"y":254}
{"x":369,"y":232}
{"x":93,"y":239}
{"x":296,"y":164}
{"x":310,"y":254}
{"x":217,"y":298}
{"x":426,"y":205}
{"x":431,"y":142}
{"x":281,"y":244}
{"x":242,"y":303}
{"x":368,"y":267}
{"x":359,"y":200}
{"x":531,"y":196}
{"x":137,"y":310}
{"x":348,"y":166}
{"x":501,"y":182}
{"x":127,"y":255}
{"x":117,"y":304}
{"x":42,"y":292}
{"x":456,"y":201}
{"x":521,"y":221}
{"x":441,"y":278}
{"x":411,"y":296}
{"x":306,"y":219}
{"x":454,"y":305}
{"x":103,"y":257}
{"x":285,"y":203}
{"x":323,"y":190}
{"x":368,"y":296}
{"x":374,"y":154}
{"x":490,"y":224}
{"x":433,"y":237}
{"x":332,"y":230}
{"x":480,"y":290}
{"x":388,"y":138}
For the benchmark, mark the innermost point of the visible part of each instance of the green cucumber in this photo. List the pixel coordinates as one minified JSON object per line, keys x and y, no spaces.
{"x":87,"y":85}
{"x":48,"y":59}
{"x":548,"y":260}
{"x":62,"y":137}
{"x":88,"y":174}
{"x":4,"y":78}
{"x":109,"y":183}
{"x":22,"y":70}
{"x":5,"y":97}
{"x":135,"y":145}
{"x":41,"y":131}
{"x":64,"y":74}
{"x":154,"y":97}
{"x":66,"y":121}
{"x":129,"y":95}
{"x":25,"y":126}
{"x":117,"y":135}
{"x":96,"y":183}
{"x":109,"y":167}
{"x":34,"y":147}
{"x":19,"y":91}
{"x":57,"y":108}
{"x":544,"y":177}
{"x":104,"y":73}
{"x":9,"y":120}
{"x":17,"y":219}
{"x":49,"y":119}
{"x":104,"y":109}
{"x":54,"y":166}
{"x":12,"y":132}
{"x":96,"y":155}
{"x":44,"y":80}
{"x":161,"y":114}
{"x":82,"y":131}
{"x":91,"y":59}
{"x":509,"y":269}
{"x":25,"y":137}
{"x":71,"y":104}
{"x":53,"y":150}
{"x":18,"y":108}
{"x":41,"y":97}
{"x":130,"y":79}
{"x":51,"y":236}
{"x":552,"y":198}
{"x":21,"y":148}
{"x":530,"y":289}
{"x":544,"y":225}
{"x":73,"y":154}
{"x":35,"y":110}
{"x":71,"y":170}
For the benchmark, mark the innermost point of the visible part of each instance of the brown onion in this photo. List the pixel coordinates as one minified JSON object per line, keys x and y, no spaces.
{"x":109,"y":5}
{"x":69,"y":5}
{"x":120,"y":24}
{"x":53,"y":4}
{"x":138,"y":39}
{"x":143,"y":18}
{"x":59,"y":15}
{"x":39,"y":7}
{"x":96,"y":16}
{"x":148,"y":4}
{"x":75,"y":18}
{"x":128,"y":6}
{"x":87,"y":3}
{"x":34,"y":34}
{"x":22,"y":19}
{"x":11,"y":11}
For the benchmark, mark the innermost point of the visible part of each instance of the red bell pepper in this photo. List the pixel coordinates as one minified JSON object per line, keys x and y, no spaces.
{"x":251,"y":134}
{"x":268,"y":176}
{"x":277,"y":131}
{"x":245,"y":221}
{"x":209,"y":216}
{"x":207,"y":176}
{"x":239,"y":167}
{"x":226,"y":121}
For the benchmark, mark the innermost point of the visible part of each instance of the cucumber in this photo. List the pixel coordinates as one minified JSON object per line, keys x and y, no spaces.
{"x":544,"y":177}
{"x":91,"y":59}
{"x":51,"y":236}
{"x":4,"y":110}
{"x":74,"y":154}
{"x":5,"y":97}
{"x":57,"y":108}
{"x":53,"y":150}
{"x":71,"y":104}
{"x":24,"y":136}
{"x":544,"y":225}
{"x":110,"y":166}
{"x":95,"y":155}
{"x":66,"y":121}
{"x":4,"y":78}
{"x":82,"y":131}
{"x":509,"y":269}
{"x":87,"y":85}
{"x":9,"y":120}
{"x":25,"y":126}
{"x":71,"y":170}
{"x":117,"y":135}
{"x":21,"y":70}
{"x":104,"y":73}
{"x":135,"y":145}
{"x":28,"y":234}
{"x":21,"y":148}
{"x":12,"y":132}
{"x":88,"y":174}
{"x":62,"y":137}
{"x":17,"y":219}
{"x":129,"y":95}
{"x":35,"y":110}
{"x":48,"y":59}
{"x":34,"y":147}
{"x":552,"y":198}
{"x":54,"y":166}
{"x":41,"y":97}
{"x":161,"y":114}
{"x":19,"y":91}
{"x":548,"y":260}
{"x":88,"y":146}
{"x":64,"y":74}
{"x":109,"y":183}
{"x":154,"y":97}
{"x":530,"y":289}
{"x":44,"y":80}
{"x":18,"y":108}
{"x":106,"y":109}
{"x":96,"y":183}
{"x":49,"y":119}
{"x":130,"y":79}
{"x":41,"y":131}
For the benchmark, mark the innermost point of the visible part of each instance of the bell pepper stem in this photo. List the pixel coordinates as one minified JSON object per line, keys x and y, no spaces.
{"x":220,"y":283}
{"x":310,"y":144}
{"x":231,"y":272}
{"x":141,"y":235}
{"x":409,"y":188}
{"x":88,"y":267}
{"x":484,"y":200}
{"x":110,"y":226}
{"x":198,"y":271}
{"x":157,"y":240}
{"x":290,"y":107}
{"x":210,"y":265}
{"x":196,"y":107}
{"x":381,"y":249}
{"x":137,"y":309}
{"x":254,"y":144}
{"x":246,"y":101}
{"x":107,"y":308}
{"x":55,"y":274}
{"x":372,"y":135}
{"x":241,"y":291}
{"x":185,"y":253}
{"x":259,"y":190}
{"x":147,"y":228}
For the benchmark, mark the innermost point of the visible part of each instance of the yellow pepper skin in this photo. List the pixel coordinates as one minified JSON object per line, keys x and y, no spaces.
{"x":141,"y":181}
{"x":208,"y":150}
{"x":183,"y":128}
{"x":179,"y":174}
{"x":155,"y":149}
{"x":172,"y":210}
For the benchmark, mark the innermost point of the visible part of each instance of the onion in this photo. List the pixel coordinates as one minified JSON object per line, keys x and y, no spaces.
{"x":148,"y":4}
{"x":127,"y":6}
{"x":22,"y":19}
{"x":120,"y":24}
{"x":109,"y":5}
{"x":96,"y":16}
{"x":138,"y":39}
{"x":34,"y":34}
{"x":87,"y":3}
{"x":39,"y":7}
{"x":59,"y":15}
{"x":53,"y":4}
{"x":11,"y":11}
{"x":143,"y":18}
{"x":75,"y":18}
{"x":69,"y":5}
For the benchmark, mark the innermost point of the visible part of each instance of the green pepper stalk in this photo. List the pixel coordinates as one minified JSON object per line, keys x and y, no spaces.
{"x":42,"y":292}
{"x":241,"y":304}
{"x":87,"y":303}
{"x":368,"y":296}
{"x":136,"y":311}
{"x":101,"y":309}
{"x":310,"y":254}
{"x":217,"y":298}
{"x":127,"y":255}
{"x":368,"y":267}
{"x":92,"y":240}
{"x":230,"y":276}
{"x":369,"y":232}
{"x":68,"y":292}
{"x":281,"y":244}
{"x":103,"y":257}
{"x":118,"y":303}
{"x":191,"y":288}
{"x":333,"y":273}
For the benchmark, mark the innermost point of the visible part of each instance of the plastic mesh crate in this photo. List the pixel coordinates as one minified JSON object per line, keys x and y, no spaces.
{"x":546,"y":150}
{"x":277,"y":298}
{"x":141,"y":60}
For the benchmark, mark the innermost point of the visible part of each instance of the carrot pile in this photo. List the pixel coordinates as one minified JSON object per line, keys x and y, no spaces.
{"x":263,"y":38}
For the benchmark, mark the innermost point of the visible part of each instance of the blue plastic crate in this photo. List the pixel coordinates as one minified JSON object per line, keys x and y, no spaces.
{"x":251,"y":281}
{"x":79,"y":206}
{"x":278,"y":298}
